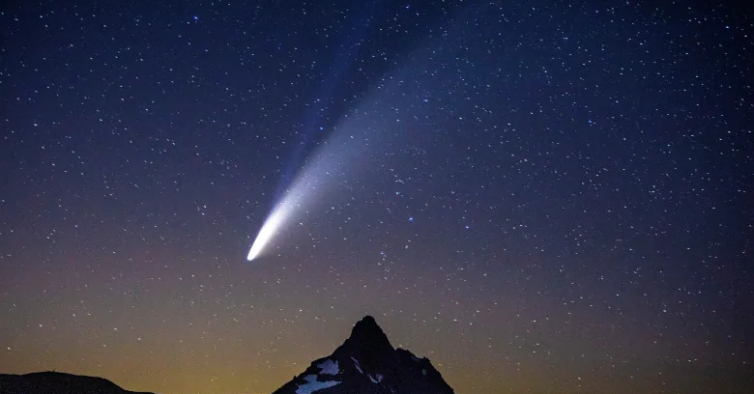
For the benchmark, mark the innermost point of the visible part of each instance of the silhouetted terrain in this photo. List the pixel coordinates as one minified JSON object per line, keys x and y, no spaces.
{"x":367,"y":363}
{"x":58,"y":383}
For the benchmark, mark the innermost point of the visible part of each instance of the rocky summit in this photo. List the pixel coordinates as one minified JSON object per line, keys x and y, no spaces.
{"x":367,"y":363}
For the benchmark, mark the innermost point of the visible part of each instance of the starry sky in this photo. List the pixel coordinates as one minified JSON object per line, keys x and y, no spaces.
{"x":541,"y":197}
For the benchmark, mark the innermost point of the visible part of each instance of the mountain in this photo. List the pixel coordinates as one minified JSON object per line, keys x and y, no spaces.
{"x":366,"y":363}
{"x":58,"y":383}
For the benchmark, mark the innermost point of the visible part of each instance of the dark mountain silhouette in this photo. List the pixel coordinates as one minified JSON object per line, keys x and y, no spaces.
{"x":58,"y":383}
{"x":367,"y":363}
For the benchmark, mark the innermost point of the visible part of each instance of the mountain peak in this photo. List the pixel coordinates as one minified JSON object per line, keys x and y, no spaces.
{"x":367,"y":321}
{"x":367,"y":339}
{"x":367,"y":328}
{"x":367,"y":363}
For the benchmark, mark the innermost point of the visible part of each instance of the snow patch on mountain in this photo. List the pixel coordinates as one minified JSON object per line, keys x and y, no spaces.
{"x":357,"y":365}
{"x":328,"y":367}
{"x":313,"y":385}
{"x":375,"y":379}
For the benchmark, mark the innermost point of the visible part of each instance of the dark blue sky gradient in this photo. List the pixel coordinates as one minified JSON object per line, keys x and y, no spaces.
{"x":540,"y":197}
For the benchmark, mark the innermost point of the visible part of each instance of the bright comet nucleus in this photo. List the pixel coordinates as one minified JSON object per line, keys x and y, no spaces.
{"x":269,"y":228}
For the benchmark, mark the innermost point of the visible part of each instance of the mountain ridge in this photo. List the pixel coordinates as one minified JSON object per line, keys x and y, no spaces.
{"x":59,"y":383}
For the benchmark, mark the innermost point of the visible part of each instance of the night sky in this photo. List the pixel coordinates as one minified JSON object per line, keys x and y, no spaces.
{"x":541,"y":197}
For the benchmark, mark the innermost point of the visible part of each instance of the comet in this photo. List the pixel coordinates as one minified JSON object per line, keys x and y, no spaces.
{"x":358,"y":141}
{"x":292,"y":202}
{"x":269,"y":228}
{"x":306,"y":190}
{"x":353,"y":144}
{"x":305,"y":187}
